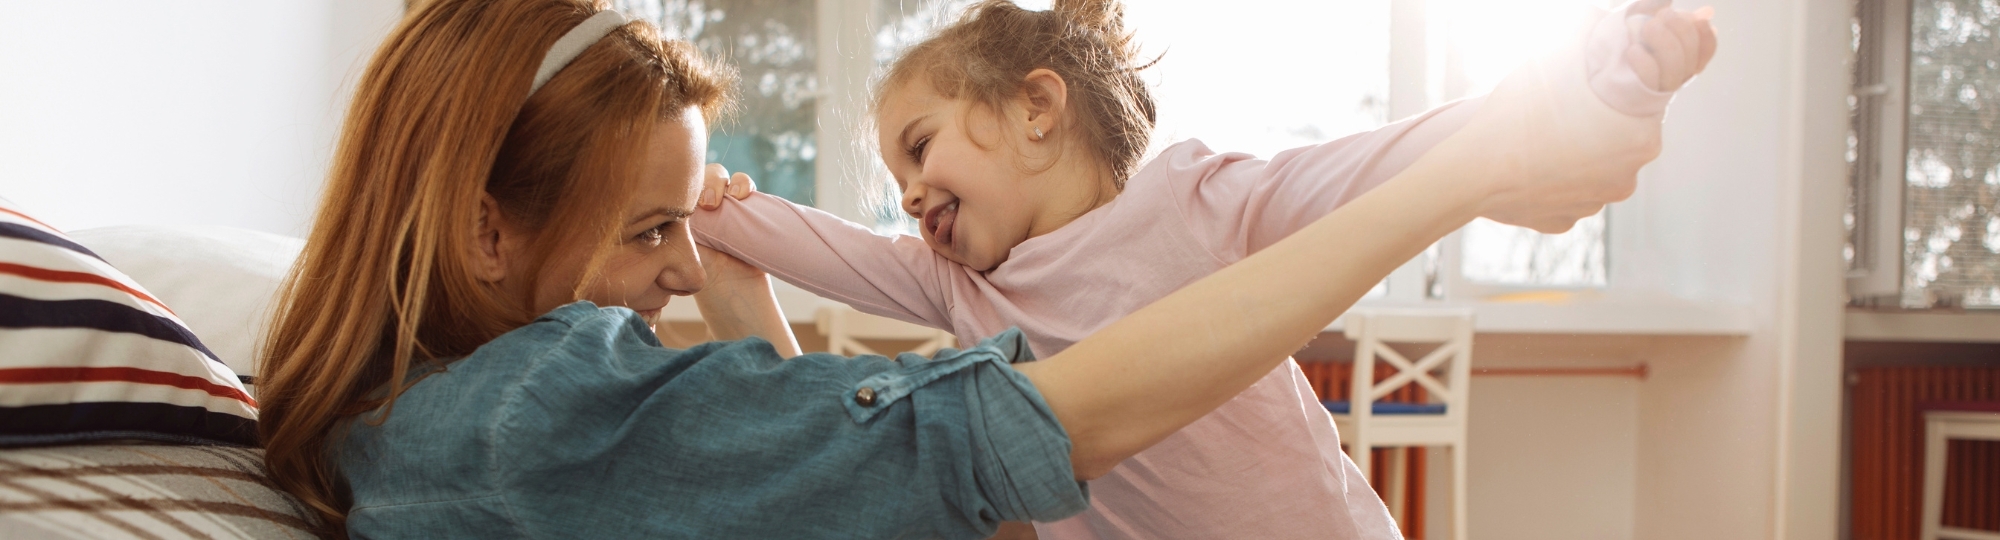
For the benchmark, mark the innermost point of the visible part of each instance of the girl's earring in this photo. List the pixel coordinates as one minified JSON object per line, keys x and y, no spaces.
{"x":1038,"y":134}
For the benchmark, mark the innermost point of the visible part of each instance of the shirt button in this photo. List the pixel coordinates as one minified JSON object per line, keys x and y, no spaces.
{"x":865,"y":397}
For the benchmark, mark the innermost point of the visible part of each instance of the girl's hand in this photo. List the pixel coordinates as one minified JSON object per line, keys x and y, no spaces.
{"x":717,"y":181}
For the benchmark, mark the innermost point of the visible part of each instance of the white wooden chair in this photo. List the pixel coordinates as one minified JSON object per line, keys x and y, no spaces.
{"x":1940,"y":427}
{"x":1444,"y":374}
{"x":844,"y":328}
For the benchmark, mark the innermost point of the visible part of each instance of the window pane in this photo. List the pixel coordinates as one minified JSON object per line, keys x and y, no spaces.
{"x":1951,"y":234}
{"x":772,"y":44}
{"x":1483,"y":41}
{"x":1495,"y":253}
{"x":1243,"y":80}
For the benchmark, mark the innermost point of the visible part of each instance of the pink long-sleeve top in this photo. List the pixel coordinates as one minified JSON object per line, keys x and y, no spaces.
{"x":1265,"y":465}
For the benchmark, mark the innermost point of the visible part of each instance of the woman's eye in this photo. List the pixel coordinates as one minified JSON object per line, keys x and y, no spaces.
{"x":655,"y":235}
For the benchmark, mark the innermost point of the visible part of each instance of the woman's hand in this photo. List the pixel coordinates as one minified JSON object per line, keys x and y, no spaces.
{"x":716,"y":182}
{"x":738,"y":303}
{"x":1669,"y":46}
{"x":1550,"y":150}
{"x":726,"y":271}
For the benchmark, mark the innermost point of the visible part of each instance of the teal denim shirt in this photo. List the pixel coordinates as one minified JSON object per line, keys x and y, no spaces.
{"x":580,"y":425}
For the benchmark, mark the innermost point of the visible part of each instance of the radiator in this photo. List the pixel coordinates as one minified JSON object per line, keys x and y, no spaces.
{"x":1331,"y":381}
{"x":1886,"y":459}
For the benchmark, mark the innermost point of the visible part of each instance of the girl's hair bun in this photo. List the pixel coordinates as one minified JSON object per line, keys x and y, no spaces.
{"x":1103,"y":17}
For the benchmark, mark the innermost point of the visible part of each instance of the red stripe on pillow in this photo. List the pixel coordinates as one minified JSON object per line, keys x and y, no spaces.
{"x":121,"y":374}
{"x":64,"y":276}
{"x":51,"y":228}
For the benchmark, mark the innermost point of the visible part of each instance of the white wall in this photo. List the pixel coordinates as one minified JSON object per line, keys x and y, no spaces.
{"x":1741,"y":439}
{"x":1550,"y":456}
{"x":188,"y":112}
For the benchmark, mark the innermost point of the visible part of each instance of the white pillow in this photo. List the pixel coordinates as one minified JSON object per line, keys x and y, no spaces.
{"x":220,"y":280}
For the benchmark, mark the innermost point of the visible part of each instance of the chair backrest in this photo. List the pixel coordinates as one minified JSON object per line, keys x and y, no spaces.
{"x":1374,"y":330}
{"x":844,"y":328}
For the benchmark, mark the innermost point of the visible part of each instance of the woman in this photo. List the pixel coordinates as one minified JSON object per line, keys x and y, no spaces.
{"x":461,"y":350}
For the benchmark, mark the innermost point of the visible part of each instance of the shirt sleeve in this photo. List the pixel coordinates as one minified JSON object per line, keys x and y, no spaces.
{"x":1269,"y":200}
{"x":727,"y":440}
{"x":893,"y":276}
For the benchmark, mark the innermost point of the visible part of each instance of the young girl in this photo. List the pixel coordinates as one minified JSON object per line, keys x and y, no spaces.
{"x":439,"y":365}
{"x":1016,"y":138}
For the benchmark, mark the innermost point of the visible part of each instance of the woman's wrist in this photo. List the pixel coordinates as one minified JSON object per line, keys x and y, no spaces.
{"x":738,"y":302}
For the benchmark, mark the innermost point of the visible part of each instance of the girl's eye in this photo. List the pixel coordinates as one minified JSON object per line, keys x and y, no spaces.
{"x":916,"y":150}
{"x":655,"y":235}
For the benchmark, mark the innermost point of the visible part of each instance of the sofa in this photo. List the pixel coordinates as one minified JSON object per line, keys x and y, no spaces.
{"x":139,"y":482}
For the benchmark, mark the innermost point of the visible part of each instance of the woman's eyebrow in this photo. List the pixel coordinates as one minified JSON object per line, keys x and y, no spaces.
{"x":676,"y":213}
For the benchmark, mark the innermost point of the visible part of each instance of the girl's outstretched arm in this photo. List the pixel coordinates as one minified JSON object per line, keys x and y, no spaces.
{"x":1541,"y":153}
{"x":892,"y":276}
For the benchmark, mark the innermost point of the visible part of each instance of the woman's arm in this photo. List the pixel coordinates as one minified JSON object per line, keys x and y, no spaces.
{"x":738,"y":303}
{"x":1542,"y":152}
{"x":1634,"y":68}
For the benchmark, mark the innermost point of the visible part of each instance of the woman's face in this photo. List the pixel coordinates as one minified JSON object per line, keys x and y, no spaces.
{"x":654,"y":259}
{"x":961,"y":180}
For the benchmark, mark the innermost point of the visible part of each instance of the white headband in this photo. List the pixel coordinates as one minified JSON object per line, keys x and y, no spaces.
{"x":588,"y":33}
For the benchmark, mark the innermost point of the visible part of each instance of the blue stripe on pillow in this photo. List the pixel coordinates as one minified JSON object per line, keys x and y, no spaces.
{"x":18,"y":312}
{"x":24,"y":232}
{"x":78,"y":422}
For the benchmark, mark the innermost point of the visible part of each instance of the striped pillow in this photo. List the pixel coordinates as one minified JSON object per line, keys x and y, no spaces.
{"x":145,"y":491}
{"x":86,"y":354}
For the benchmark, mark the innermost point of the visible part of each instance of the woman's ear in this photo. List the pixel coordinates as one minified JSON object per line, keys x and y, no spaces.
{"x":1044,"y":98}
{"x":489,"y":249}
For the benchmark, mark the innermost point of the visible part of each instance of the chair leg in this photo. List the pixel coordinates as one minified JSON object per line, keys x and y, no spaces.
{"x":1395,"y":488}
{"x":1358,"y":450}
{"x":1458,"y":482}
{"x":1935,"y":444}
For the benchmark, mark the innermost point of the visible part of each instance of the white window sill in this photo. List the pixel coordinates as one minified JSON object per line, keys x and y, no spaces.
{"x":1591,"y":312}
{"x":1923,"y":326}
{"x":1529,"y":313}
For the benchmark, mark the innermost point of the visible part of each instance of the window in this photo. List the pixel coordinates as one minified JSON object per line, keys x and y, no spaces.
{"x":1925,"y":155}
{"x":1370,"y":61}
{"x":774,"y":46}
{"x":1482,"y":41}
{"x":1325,"y":69}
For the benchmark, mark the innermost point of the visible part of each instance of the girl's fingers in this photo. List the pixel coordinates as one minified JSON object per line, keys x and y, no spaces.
{"x":1668,"y":57}
{"x":714,"y":180}
{"x":1642,"y":63}
{"x":741,"y":186}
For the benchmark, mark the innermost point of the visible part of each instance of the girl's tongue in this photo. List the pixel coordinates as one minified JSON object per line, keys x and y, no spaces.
{"x":946,"y":218}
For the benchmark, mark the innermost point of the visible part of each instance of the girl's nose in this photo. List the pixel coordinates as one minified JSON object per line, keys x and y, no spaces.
{"x":913,"y":200}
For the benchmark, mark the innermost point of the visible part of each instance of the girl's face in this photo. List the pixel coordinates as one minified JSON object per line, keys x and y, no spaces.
{"x":961,"y":174}
{"x":654,"y":260}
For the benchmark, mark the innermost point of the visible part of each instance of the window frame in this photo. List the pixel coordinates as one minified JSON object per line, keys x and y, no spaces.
{"x":1881,"y":128}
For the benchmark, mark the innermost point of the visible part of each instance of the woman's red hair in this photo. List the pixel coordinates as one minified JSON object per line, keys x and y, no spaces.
{"x":442,"y":118}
